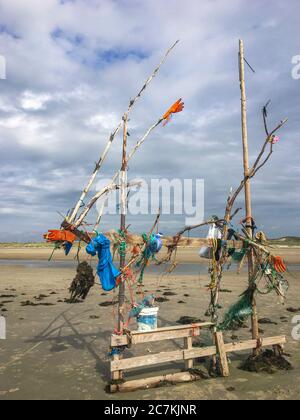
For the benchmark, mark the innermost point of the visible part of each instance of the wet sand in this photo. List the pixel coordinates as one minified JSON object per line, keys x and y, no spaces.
{"x":60,"y":351}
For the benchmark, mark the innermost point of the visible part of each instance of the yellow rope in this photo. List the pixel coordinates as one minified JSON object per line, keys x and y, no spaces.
{"x":213,"y":283}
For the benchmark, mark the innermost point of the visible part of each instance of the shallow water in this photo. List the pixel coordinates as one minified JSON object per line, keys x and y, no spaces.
{"x":182,"y":268}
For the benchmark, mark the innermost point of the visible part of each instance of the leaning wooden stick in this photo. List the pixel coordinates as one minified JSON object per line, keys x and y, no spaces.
{"x":100,"y":194}
{"x":111,"y":187}
{"x":178,"y":106}
{"x":132,"y":102}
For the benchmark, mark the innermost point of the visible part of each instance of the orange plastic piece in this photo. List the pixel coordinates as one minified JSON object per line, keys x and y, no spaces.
{"x":176,"y":107}
{"x":136,"y":250}
{"x":279,"y":265}
{"x":59,"y":236}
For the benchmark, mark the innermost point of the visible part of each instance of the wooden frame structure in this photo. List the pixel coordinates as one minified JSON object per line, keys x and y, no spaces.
{"x":187,"y":354}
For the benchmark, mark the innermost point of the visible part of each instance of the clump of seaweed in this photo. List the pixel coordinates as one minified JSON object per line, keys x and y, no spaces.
{"x":267,"y":361}
{"x":185,"y":320}
{"x":82,"y":283}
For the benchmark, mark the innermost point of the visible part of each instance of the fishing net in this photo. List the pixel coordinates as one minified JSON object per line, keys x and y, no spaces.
{"x":153,"y":246}
{"x":82,"y":283}
{"x":239,"y":313}
{"x":237,"y":254}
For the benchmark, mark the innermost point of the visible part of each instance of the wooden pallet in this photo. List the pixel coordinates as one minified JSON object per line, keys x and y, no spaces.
{"x":187,"y":354}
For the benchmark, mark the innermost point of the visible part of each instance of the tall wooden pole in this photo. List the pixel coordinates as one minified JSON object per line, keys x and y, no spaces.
{"x":255,"y":329}
{"x":123,"y":207}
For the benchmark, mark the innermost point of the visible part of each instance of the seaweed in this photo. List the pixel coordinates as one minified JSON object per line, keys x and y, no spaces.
{"x":82,"y":283}
{"x":185,"y":320}
{"x":266,"y":361}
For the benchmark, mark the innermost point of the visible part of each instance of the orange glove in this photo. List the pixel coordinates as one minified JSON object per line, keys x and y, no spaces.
{"x":177,"y":107}
{"x":279,"y":265}
{"x":59,"y":236}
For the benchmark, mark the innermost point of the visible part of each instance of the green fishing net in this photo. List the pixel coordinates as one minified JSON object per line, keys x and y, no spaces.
{"x":238,"y":314}
{"x":237,"y":254}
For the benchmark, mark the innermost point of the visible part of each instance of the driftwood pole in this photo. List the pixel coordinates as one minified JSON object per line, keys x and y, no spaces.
{"x":123,"y":207}
{"x":254,"y":319}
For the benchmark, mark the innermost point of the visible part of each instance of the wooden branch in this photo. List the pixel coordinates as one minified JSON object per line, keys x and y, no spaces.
{"x":104,"y":191}
{"x":264,"y":162}
{"x":256,"y":166}
{"x":173,"y":246}
{"x":265,"y":115}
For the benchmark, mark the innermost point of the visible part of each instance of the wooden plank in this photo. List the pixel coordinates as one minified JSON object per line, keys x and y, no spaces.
{"x":177,"y":355}
{"x":199,"y":352}
{"x":252,"y":344}
{"x":116,"y":375}
{"x":165,"y":333}
{"x":188,"y":344}
{"x":174,"y":378}
{"x":149,"y":360}
{"x":160,"y":358}
{"x":222,"y":354}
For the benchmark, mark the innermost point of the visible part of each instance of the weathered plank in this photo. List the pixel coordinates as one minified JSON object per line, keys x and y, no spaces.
{"x":188,"y":344}
{"x":165,"y":333}
{"x":252,"y":344}
{"x":117,"y":374}
{"x":184,"y":354}
{"x":222,"y":354}
{"x":199,"y":352}
{"x":149,"y":360}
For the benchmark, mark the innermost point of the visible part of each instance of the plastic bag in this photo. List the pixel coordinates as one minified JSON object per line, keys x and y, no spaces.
{"x":213,"y":233}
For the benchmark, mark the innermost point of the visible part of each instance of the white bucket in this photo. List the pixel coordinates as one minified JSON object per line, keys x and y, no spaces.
{"x":147,"y":319}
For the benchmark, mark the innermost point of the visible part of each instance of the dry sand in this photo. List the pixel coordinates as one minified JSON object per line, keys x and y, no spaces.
{"x":61,"y":351}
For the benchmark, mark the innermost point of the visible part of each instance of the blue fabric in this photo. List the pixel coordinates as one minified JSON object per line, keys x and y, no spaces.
{"x":68,"y":247}
{"x":105,"y":269}
{"x":154,"y":246}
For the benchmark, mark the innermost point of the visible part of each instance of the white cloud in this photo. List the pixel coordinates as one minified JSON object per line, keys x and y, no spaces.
{"x":102,"y":121}
{"x":35,"y":102}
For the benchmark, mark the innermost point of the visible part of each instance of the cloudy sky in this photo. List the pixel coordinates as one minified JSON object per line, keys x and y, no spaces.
{"x":73,"y":65}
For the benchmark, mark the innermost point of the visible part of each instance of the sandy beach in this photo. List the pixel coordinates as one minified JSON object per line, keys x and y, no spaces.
{"x":60,"y":351}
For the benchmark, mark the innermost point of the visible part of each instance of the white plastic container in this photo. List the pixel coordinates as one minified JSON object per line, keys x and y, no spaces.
{"x":147,"y":319}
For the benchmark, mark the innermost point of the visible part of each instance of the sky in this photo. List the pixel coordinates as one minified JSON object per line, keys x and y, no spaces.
{"x":72,"y":67}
